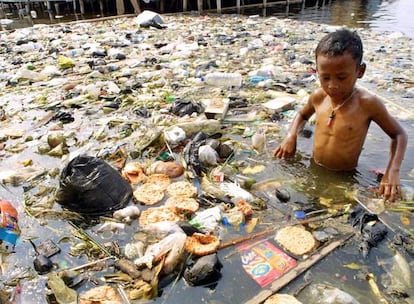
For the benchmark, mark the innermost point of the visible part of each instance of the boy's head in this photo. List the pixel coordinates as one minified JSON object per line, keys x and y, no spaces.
{"x":340,"y":42}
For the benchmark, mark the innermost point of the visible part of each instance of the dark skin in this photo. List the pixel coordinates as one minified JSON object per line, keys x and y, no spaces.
{"x":338,"y":144}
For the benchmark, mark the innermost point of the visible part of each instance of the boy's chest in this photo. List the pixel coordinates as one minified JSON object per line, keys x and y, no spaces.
{"x":343,"y":124}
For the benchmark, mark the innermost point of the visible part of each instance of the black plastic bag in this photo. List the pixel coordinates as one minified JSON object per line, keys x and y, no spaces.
{"x":185,"y":107}
{"x":204,"y":272}
{"x":371,"y":228}
{"x":90,"y":186}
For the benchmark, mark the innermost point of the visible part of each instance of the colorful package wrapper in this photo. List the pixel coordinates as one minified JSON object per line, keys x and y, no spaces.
{"x":9,"y":229}
{"x":264,"y":262}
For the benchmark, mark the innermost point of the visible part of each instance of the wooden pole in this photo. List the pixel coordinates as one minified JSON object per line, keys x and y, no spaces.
{"x":264,"y":8}
{"x":82,"y":7}
{"x":270,"y":230}
{"x":2,"y":13}
{"x":200,"y":6}
{"x":50,"y":11}
{"x":101,"y":7}
{"x":287,"y":7}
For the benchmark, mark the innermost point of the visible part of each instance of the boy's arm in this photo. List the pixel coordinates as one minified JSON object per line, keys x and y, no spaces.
{"x":288,"y":146}
{"x":390,"y":186}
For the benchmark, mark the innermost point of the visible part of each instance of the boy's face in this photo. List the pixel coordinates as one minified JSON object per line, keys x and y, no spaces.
{"x":338,"y":74}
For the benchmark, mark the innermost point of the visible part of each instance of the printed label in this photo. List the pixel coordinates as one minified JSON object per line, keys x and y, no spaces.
{"x":264,"y":262}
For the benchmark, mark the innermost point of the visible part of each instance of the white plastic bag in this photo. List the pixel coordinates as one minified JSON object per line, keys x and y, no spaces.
{"x":207,"y":155}
{"x":147,"y":16}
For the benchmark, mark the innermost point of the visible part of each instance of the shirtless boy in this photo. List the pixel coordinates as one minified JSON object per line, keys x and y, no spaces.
{"x":343,"y":113}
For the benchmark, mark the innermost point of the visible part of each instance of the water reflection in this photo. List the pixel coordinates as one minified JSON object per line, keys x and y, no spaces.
{"x":382,"y":15}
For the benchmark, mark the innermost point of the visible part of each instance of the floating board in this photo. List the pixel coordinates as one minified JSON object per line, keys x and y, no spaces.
{"x":280,"y":103}
{"x":301,"y":267}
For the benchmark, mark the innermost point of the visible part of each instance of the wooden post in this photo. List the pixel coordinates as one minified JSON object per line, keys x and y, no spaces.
{"x":162,"y":6}
{"x":200,"y":6}
{"x":82,"y":7}
{"x":238,"y":6}
{"x":120,"y":8}
{"x":27,"y":8}
{"x":137,"y":8}
{"x":287,"y":7}
{"x":74,"y":8}
{"x":2,"y":14}
{"x":57,"y":9}
{"x":101,"y":7}
{"x":49,"y":10}
{"x":264,"y":8}
{"x":218,"y":2}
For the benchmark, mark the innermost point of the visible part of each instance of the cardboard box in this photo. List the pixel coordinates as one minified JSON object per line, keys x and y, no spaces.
{"x":216,"y":108}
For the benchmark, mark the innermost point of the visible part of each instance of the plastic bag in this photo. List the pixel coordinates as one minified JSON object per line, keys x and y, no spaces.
{"x":174,"y":135}
{"x":207,"y":220}
{"x":185,"y":107}
{"x":89,"y":185}
{"x":148,"y":16}
{"x":207,"y":155}
{"x":63,"y":294}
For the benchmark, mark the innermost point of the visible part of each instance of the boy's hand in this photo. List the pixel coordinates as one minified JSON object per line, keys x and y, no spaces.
{"x":390,"y":186}
{"x":287,"y":148}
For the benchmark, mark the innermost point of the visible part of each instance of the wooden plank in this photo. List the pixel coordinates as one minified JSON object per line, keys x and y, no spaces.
{"x":276,"y":227}
{"x":301,"y":267}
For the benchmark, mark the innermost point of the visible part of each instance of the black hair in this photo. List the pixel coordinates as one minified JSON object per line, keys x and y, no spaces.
{"x":339,"y":42}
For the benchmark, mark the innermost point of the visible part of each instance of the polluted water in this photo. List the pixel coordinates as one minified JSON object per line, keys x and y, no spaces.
{"x":104,"y":134}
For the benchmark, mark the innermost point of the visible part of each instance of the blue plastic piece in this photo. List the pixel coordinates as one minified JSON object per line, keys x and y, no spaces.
{"x":300,"y":214}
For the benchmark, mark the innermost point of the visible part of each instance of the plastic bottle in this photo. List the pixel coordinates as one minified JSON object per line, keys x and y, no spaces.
{"x":74,"y":52}
{"x":220,"y":79}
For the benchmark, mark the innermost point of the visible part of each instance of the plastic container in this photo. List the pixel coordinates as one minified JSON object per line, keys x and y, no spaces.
{"x":9,"y":229}
{"x":220,"y":79}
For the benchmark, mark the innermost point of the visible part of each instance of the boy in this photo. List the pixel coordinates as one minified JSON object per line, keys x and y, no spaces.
{"x":343,"y":113}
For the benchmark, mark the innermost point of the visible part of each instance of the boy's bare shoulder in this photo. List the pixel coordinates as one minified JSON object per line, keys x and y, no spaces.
{"x":317,"y":96}
{"x":368,"y":100}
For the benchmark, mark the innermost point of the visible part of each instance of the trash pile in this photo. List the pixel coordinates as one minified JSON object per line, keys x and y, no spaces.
{"x":132,"y":150}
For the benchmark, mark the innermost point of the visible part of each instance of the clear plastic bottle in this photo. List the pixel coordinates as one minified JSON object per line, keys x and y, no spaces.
{"x":74,"y":52}
{"x":221,"y":79}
